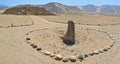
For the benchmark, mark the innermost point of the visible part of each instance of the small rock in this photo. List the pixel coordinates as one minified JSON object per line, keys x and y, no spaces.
{"x":42,"y":51}
{"x":105,"y":49}
{"x":28,"y":42}
{"x":52,"y":55}
{"x":27,"y":34}
{"x":65,"y":59}
{"x":34,"y":46}
{"x":58,"y":57}
{"x":38,"y":49}
{"x":86,"y":55}
{"x":91,"y":53}
{"x":96,"y":52}
{"x":101,"y":50}
{"x":73,"y":58}
{"x":81,"y":57}
{"x":27,"y":38}
{"x":111,"y":45}
{"x":47,"y":53}
{"x":108,"y":47}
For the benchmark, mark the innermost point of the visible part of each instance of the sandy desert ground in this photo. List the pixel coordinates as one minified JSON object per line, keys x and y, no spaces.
{"x":1,"y":11}
{"x":15,"y":50}
{"x":90,"y":19}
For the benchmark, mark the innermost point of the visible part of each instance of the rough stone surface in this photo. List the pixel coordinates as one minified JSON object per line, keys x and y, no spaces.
{"x":52,"y":55}
{"x":58,"y":57}
{"x":69,"y":37}
{"x":34,"y":46}
{"x":86,"y":55}
{"x":47,"y":53}
{"x":73,"y":58}
{"x":38,"y":49}
{"x":91,"y":53}
{"x":105,"y":49}
{"x":27,"y":38}
{"x":96,"y":52}
{"x":101,"y":50}
{"x":65,"y":59}
{"x":42,"y":51}
{"x":81,"y":57}
{"x":108,"y":47}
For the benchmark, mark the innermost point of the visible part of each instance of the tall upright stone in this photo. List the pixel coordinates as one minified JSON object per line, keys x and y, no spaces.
{"x":69,"y":38}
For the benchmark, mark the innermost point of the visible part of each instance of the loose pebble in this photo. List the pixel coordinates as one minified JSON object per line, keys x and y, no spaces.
{"x":101,"y":51}
{"x":58,"y":57}
{"x":105,"y":49}
{"x":86,"y":55}
{"x":27,"y":38}
{"x":52,"y":55}
{"x":73,"y":58}
{"x":111,"y":45}
{"x":96,"y":52}
{"x":65,"y":59}
{"x":47,"y":53}
{"x":34,"y":46}
{"x":91,"y":53}
{"x":38,"y":49}
{"x":27,"y":34}
{"x":42,"y":51}
{"x":108,"y":47}
{"x":81,"y":57}
{"x":28,"y":42}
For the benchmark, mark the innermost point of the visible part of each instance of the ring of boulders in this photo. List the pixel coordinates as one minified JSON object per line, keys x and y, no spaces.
{"x":99,"y":24}
{"x":89,"y":24}
{"x":73,"y":58}
{"x":12,"y":25}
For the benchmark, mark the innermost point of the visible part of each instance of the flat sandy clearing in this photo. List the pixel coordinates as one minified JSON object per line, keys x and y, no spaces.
{"x":8,"y":20}
{"x":84,"y":19}
{"x":15,"y":50}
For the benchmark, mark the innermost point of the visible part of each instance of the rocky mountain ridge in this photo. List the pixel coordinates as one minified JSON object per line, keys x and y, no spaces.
{"x":55,"y":7}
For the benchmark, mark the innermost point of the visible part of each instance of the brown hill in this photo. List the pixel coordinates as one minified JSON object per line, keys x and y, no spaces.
{"x":27,"y":10}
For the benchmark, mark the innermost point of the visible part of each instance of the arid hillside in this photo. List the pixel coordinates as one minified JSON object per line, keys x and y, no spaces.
{"x":27,"y":10}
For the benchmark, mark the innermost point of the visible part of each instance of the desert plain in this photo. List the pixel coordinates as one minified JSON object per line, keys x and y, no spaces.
{"x":100,"y":31}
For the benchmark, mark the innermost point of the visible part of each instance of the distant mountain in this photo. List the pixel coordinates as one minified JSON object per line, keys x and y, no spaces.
{"x":117,"y":8}
{"x":2,"y":7}
{"x":55,"y":7}
{"x":89,"y":8}
{"x":108,"y":9}
{"x":60,"y":8}
{"x":104,"y":9}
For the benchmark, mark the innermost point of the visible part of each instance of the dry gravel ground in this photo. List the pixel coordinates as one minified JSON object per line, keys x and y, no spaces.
{"x":94,"y":19}
{"x":15,"y":50}
{"x":7,"y":20}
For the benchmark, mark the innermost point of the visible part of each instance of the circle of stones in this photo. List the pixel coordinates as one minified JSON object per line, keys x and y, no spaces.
{"x":80,"y":57}
{"x":90,"y":24}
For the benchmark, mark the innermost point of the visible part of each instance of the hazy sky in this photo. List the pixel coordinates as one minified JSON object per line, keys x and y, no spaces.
{"x":67,"y":2}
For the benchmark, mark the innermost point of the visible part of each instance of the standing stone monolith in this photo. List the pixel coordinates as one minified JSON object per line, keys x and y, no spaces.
{"x":69,"y":38}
